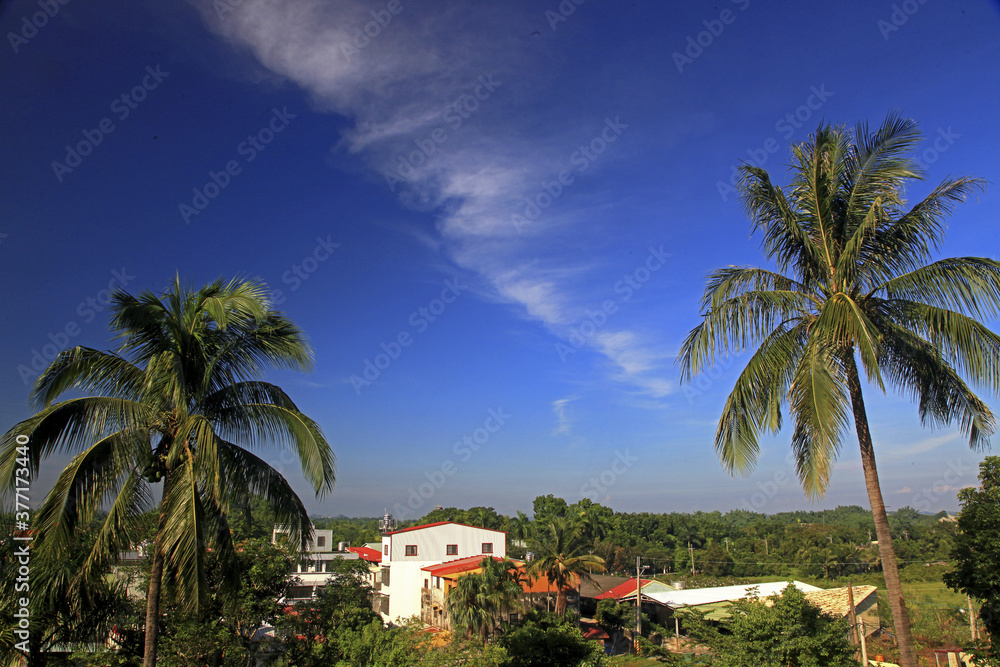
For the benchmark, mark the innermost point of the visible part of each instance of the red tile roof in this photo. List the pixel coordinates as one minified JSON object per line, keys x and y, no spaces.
{"x":370,"y":555}
{"x":442,"y":523}
{"x":621,"y":589}
{"x":460,"y":565}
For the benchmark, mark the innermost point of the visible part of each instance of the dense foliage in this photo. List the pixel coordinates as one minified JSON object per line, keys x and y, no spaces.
{"x":781,"y":631}
{"x":977,"y":550}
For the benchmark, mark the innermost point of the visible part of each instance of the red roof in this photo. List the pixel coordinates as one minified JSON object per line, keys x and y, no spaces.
{"x":365,"y":553}
{"x":442,"y":523}
{"x":459,"y":565}
{"x":621,"y":589}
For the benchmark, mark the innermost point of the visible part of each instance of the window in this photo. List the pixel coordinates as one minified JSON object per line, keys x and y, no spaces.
{"x":487,"y":548}
{"x":385,"y":550}
{"x":425,"y":584}
{"x":411,"y":550}
{"x":320,"y":542}
{"x":451,"y":550}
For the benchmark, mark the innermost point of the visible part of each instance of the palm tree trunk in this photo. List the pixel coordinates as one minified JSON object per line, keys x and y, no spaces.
{"x":900,"y":617}
{"x":155,"y":579}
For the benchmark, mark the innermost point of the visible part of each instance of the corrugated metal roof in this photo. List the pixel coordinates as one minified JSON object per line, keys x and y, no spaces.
{"x":698,"y":596}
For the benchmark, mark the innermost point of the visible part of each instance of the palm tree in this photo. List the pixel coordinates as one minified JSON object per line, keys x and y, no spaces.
{"x":479,"y":600}
{"x":521,"y":529}
{"x":853,"y":280}
{"x":178,"y":403}
{"x":561,"y":555}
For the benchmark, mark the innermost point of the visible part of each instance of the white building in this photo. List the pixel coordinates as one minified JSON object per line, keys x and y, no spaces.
{"x":313,"y":567}
{"x":406,"y":551}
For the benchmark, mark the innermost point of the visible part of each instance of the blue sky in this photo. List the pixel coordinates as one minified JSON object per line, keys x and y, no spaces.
{"x":494,"y":220}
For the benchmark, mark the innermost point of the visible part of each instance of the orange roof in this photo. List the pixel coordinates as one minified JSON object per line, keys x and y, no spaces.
{"x":459,"y":565}
{"x":441,"y":523}
{"x":370,"y":555}
{"x":621,"y":589}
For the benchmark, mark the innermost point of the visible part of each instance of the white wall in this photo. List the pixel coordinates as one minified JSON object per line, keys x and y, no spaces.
{"x":406,"y":578}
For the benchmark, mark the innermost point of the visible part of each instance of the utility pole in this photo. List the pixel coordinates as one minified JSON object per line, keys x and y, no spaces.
{"x":638,"y":602}
{"x":691,"y":551}
{"x":854,"y":617}
{"x":727,"y":544}
{"x":767,"y":552}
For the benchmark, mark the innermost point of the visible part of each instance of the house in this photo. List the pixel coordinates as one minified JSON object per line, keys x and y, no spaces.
{"x":835,"y":602}
{"x":405,"y":552}
{"x":714,"y":602}
{"x":440,"y":579}
{"x":313,"y":567}
{"x":626,"y":590}
{"x":374,"y":559}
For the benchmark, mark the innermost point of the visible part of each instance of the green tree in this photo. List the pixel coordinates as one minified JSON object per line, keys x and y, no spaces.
{"x":339,"y":627}
{"x":852,"y":283}
{"x":547,"y":640}
{"x":782,"y":631}
{"x":562,"y":555}
{"x":977,"y":550}
{"x":225,"y":625}
{"x":479,"y":600}
{"x":548,"y":507}
{"x":178,"y":403}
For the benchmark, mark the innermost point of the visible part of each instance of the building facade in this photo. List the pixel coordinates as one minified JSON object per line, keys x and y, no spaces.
{"x":313,"y":567}
{"x":407,"y":551}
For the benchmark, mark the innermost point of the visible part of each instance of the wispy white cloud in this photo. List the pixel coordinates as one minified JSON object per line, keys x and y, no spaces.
{"x":563,"y":422}
{"x":442,"y":121}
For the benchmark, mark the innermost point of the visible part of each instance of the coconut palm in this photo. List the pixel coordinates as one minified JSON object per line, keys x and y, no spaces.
{"x":562,"y":556}
{"x":180,"y":404}
{"x":479,"y":600}
{"x":854,"y":281}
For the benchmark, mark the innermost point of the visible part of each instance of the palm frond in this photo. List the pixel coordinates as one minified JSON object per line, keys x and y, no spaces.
{"x":918,"y":368}
{"x":260,"y":425}
{"x":88,"y":370}
{"x":820,"y":402}
{"x":754,"y":404}
{"x":738,"y":324}
{"x":967,"y":284}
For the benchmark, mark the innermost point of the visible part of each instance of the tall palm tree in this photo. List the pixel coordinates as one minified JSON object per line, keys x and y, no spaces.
{"x":562,"y":556}
{"x":179,"y":403}
{"x":854,"y":281}
{"x":479,"y":600}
